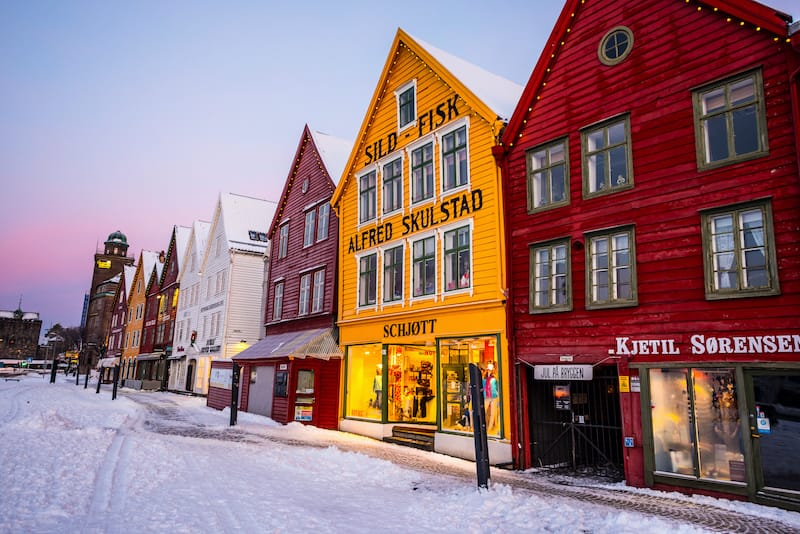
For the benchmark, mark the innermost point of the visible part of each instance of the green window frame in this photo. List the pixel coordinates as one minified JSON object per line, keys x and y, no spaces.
{"x":739,"y":251}
{"x":393,"y":274}
{"x":422,"y":173}
{"x":455,"y":164}
{"x":457,"y":259}
{"x":730,"y":121}
{"x":548,"y":176}
{"x":393,"y":185}
{"x":367,"y":279}
{"x":424,"y":266}
{"x":611,"y":269}
{"x":615,"y":46}
{"x":607,"y":164}
{"x":550,"y":284}
{"x":367,"y":196}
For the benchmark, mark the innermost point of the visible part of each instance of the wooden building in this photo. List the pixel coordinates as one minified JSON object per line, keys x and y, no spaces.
{"x":151,"y":360}
{"x":293,"y":373}
{"x":134,"y":324}
{"x":421,"y":254}
{"x":652,"y":195}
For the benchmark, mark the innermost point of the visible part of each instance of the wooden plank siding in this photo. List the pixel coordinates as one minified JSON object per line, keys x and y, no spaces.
{"x":244,"y":305}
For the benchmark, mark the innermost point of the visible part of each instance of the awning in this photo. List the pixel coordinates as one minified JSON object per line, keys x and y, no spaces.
{"x":315,"y":343}
{"x":107,"y":362}
{"x":149,"y":356}
{"x":176,"y":356}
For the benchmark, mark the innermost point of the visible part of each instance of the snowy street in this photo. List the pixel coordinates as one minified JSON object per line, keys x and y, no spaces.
{"x":76,"y":461}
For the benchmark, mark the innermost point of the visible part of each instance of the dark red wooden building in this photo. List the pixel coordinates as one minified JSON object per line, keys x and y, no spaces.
{"x":653,"y":218}
{"x":293,"y":374}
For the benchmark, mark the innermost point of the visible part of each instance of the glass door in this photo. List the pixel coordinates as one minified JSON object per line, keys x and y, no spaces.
{"x":775,"y":432}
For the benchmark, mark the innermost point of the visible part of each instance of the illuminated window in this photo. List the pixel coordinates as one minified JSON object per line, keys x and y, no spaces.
{"x":364,"y":382}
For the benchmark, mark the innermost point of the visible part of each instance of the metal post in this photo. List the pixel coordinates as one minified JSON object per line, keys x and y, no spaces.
{"x":479,"y":426}
{"x":234,"y":393}
{"x":78,"y":367}
{"x":116,"y":380}
{"x":99,"y":378}
{"x":86,"y":380}
{"x":53,"y":366}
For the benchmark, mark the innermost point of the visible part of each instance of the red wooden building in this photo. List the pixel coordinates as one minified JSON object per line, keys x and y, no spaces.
{"x":653,"y":213}
{"x":293,"y":374}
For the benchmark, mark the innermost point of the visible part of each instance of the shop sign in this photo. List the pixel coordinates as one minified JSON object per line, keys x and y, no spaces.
{"x":562,"y":372}
{"x":624,"y":384}
{"x":220,"y":378}
{"x":700,"y":344}
{"x":561,"y":396}
{"x":410,"y":328}
{"x":458,"y":207}
{"x":303,"y":413}
{"x":636,"y":385}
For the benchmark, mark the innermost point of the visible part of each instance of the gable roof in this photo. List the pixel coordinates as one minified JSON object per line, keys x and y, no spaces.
{"x":743,"y":11}
{"x":490,"y":96}
{"x":177,"y":247}
{"x":239,"y":215}
{"x":333,"y":153}
{"x":196,"y":241}
{"x":128,"y":274}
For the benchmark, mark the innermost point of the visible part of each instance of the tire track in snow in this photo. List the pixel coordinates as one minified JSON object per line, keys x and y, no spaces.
{"x":10,"y":400}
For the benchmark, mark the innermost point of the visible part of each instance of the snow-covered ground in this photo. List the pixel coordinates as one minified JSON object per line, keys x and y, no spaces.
{"x":75,"y":461}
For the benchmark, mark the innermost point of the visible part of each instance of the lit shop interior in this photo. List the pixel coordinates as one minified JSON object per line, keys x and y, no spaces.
{"x":409,"y":384}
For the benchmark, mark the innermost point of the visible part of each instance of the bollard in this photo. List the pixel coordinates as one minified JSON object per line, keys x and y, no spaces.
{"x":116,"y":380}
{"x":479,"y":426}
{"x":86,"y":380}
{"x":234,"y":394}
{"x":99,"y":379}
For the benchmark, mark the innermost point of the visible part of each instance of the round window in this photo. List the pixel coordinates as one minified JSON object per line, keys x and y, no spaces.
{"x":615,"y":45}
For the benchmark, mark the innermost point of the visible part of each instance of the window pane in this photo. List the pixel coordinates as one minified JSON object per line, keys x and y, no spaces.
{"x":716,"y":138}
{"x":597,"y":172}
{"x":745,"y":131}
{"x":539,"y":159}
{"x":672,"y":431}
{"x":364,"y":364}
{"x":719,"y":434}
{"x":713,"y":100}
{"x":619,"y":166}
{"x":594,"y":140}
{"x":558,"y":184}
{"x":616,"y":133}
{"x":743,"y":91}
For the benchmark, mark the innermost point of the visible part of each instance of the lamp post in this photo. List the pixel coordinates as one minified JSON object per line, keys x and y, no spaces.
{"x":53,"y":364}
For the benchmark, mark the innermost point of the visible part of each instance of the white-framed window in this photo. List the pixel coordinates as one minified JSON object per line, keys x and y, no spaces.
{"x":323,"y":221}
{"x":367,"y":196}
{"x":305,"y":294}
{"x":392,"y":179}
{"x":550,"y":279}
{"x":730,"y":120}
{"x":310,"y":228}
{"x":393,"y":274}
{"x":422,"y":172}
{"x":218,"y":246}
{"x":457,"y":258}
{"x":406,"y":97}
{"x":611,"y":268}
{"x":424,"y":266}
{"x":454,"y":155}
{"x":607,"y":166}
{"x":215,"y":323}
{"x":739,"y":251}
{"x":318,"y":299}
{"x":548,"y":175}
{"x":367,"y":279}
{"x":283,"y":243}
{"x":277,"y":301}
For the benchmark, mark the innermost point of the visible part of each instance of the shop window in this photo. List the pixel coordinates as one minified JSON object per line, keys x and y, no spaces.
{"x":422,"y":173}
{"x":457,"y":248}
{"x":548,"y":176}
{"x":607,"y":163}
{"x":411,"y":382}
{"x":364,"y":382}
{"x":550,"y":280}
{"x":392,"y":177}
{"x":696,"y":426}
{"x":393,"y":274}
{"x":730,"y":121}
{"x":455,"y":165}
{"x":424,"y":266}
{"x":367,"y":279}
{"x":367,"y":199}
{"x":456,"y":405}
{"x":611,"y":269}
{"x":739,"y":252}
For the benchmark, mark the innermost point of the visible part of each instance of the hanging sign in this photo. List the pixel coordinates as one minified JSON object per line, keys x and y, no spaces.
{"x":562,"y":397}
{"x":562,"y":372}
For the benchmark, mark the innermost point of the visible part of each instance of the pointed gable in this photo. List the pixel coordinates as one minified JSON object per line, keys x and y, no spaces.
{"x":243,"y":218}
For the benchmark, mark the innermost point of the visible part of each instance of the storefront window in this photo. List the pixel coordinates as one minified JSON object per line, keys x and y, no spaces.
{"x":456,"y":405}
{"x":697,"y":429}
{"x":411,"y":383}
{"x":364,"y":396}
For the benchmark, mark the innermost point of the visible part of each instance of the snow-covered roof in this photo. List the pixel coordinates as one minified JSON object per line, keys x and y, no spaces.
{"x":130,"y":273}
{"x":149,"y":259}
{"x":26,"y":316}
{"x":242,"y":215}
{"x":182,"y":234}
{"x":500,"y":94}
{"x":201,"y":230}
{"x":334,"y":152}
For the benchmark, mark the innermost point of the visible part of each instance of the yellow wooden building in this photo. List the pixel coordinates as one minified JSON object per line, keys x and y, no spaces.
{"x":134,"y":324}
{"x":422,"y":259}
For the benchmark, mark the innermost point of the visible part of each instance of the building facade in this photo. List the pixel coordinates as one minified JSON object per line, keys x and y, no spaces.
{"x":19,"y":334}
{"x":134,"y":322}
{"x":421,"y":254}
{"x":293,"y":373}
{"x":652,"y":194}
